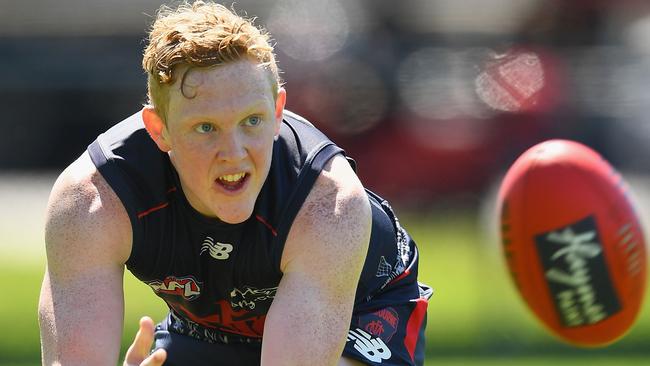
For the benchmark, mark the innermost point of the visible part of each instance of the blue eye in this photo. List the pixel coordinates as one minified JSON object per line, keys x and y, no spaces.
{"x":204,"y":128}
{"x":253,"y":120}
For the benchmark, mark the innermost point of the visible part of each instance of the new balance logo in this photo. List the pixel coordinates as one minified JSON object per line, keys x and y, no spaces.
{"x":217,"y":250}
{"x":374,"y":349}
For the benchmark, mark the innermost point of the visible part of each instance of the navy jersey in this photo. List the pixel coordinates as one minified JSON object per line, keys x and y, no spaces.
{"x":224,"y":276}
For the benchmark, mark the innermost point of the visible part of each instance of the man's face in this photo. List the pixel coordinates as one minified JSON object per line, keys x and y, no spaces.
{"x":220,"y":133}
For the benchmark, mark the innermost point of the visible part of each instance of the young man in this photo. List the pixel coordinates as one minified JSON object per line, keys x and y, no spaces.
{"x":247,"y":221}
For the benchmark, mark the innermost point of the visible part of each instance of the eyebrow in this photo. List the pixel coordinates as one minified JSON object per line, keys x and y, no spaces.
{"x":253,"y":108}
{"x":258,"y":104}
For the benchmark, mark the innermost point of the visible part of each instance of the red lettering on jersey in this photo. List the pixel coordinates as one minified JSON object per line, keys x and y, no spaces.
{"x":224,"y":318}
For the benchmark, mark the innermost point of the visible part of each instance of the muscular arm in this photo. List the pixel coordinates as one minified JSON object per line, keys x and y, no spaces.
{"x":322,"y":261}
{"x":88,"y":238}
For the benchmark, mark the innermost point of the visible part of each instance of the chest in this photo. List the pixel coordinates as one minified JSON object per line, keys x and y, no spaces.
{"x":206,"y":270}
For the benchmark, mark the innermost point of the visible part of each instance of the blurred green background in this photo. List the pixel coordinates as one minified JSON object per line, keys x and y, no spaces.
{"x":475,"y":316}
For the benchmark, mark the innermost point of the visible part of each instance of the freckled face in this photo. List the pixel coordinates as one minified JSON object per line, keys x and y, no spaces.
{"x":221,"y":137}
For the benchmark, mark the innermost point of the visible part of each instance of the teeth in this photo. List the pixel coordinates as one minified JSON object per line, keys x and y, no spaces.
{"x":232,"y":177}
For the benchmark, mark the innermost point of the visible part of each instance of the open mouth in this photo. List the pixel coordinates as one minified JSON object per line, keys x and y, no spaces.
{"x":232,"y":182}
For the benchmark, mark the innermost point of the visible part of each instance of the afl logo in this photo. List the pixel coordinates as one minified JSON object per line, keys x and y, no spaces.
{"x":186,"y":287}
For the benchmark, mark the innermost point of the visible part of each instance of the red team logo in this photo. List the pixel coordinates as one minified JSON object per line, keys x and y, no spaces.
{"x":243,"y":314}
{"x":381,"y":323}
{"x":226,"y":319}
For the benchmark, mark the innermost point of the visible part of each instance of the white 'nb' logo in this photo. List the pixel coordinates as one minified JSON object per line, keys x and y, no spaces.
{"x":371,"y":348}
{"x":216,"y":250}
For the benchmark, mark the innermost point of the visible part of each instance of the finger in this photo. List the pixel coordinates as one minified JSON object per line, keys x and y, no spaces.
{"x":144,"y":337}
{"x":155,"y":359}
{"x":141,"y":345}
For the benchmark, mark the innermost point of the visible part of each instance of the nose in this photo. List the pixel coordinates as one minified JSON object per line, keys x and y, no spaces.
{"x":231,"y":147}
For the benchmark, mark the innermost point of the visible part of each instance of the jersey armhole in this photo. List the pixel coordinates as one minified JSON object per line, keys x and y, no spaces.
{"x":119,"y":182}
{"x":314,"y":164}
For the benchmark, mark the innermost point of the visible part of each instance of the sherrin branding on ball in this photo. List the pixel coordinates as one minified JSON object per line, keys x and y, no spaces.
{"x":573,"y":242}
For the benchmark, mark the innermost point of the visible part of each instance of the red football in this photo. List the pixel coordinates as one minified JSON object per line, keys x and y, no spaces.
{"x":573,"y":242}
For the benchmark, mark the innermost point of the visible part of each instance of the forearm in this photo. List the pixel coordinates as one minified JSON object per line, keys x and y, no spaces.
{"x":79,"y":330}
{"x":305,"y":330}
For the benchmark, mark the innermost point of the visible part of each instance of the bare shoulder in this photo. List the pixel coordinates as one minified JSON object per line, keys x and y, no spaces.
{"x":87,"y":238}
{"x":85,"y":218}
{"x":335,"y":217}
{"x":321,"y":264}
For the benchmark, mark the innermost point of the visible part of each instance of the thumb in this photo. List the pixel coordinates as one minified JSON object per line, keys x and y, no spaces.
{"x":139,"y":349}
{"x":155,"y":359}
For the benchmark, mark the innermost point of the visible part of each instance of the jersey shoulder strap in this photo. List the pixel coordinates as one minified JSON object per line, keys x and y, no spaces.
{"x":134,"y":167}
{"x":302,"y":153}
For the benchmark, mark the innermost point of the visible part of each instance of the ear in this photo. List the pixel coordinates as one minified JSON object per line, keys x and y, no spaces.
{"x":156,"y":128}
{"x":280,"y":102}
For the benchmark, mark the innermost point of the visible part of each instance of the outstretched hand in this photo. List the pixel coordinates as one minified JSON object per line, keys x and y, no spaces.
{"x":138,"y":352}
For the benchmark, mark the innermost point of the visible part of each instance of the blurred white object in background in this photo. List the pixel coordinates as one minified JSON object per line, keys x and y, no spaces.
{"x":309,"y":30}
{"x":511,"y":82}
{"x":436,"y":85}
{"x":436,"y":82}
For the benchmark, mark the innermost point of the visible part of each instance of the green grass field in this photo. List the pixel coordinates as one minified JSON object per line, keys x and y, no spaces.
{"x":474,"y":318}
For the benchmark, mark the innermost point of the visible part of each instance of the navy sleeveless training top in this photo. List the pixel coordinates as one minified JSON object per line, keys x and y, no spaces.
{"x":224,"y":276}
